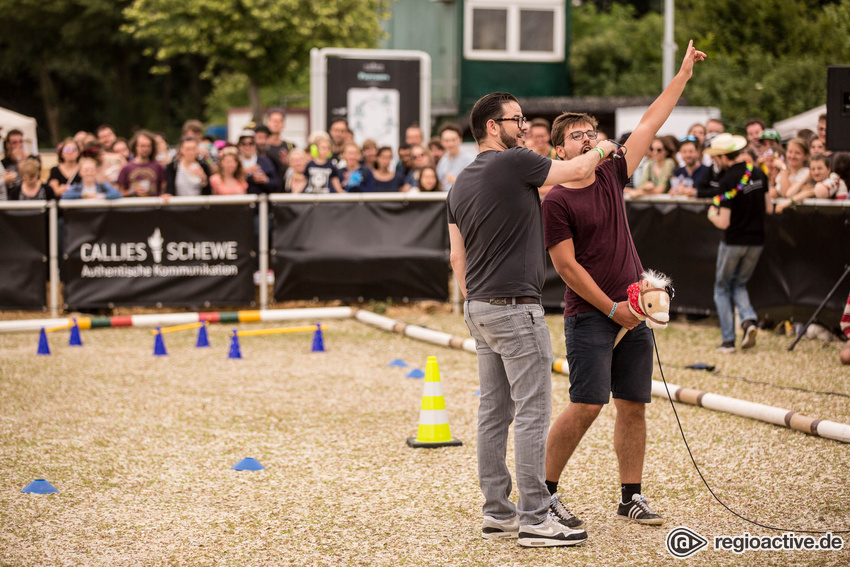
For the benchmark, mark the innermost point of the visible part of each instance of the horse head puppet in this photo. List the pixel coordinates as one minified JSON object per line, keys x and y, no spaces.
{"x":649,"y":300}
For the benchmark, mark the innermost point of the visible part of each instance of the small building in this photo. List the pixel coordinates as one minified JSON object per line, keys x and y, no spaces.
{"x":481,"y":46}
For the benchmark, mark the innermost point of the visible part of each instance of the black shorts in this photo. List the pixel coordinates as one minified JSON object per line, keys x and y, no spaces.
{"x":597,"y":369}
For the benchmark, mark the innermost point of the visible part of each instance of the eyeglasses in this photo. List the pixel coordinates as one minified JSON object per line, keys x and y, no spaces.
{"x":653,"y":150}
{"x":417,"y":156}
{"x":520,"y":120}
{"x":247,"y":143}
{"x":578,"y":135}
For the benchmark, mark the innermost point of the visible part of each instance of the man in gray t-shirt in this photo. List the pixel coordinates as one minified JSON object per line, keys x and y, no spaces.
{"x":497,"y":255}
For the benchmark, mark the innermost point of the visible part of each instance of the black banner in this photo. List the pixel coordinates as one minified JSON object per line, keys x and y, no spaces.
{"x":805,"y":254}
{"x":23,"y":257}
{"x":361,"y":250}
{"x":179,"y":256}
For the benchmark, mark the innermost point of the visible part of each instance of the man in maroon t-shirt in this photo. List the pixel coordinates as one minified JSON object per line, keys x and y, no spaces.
{"x":588,"y":238}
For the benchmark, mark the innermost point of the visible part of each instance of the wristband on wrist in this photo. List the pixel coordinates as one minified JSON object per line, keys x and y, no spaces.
{"x":613,"y":308}
{"x":601,"y":153}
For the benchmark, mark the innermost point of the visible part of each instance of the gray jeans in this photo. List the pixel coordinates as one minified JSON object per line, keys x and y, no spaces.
{"x":515,"y":372}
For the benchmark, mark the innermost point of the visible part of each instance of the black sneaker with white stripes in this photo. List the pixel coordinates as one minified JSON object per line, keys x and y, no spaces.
{"x":563,"y":514}
{"x":638,"y":510}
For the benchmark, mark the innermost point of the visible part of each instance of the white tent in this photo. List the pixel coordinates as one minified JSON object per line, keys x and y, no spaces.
{"x":788,"y":128}
{"x":10,"y":120}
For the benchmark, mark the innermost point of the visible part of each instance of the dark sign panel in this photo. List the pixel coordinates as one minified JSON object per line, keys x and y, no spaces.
{"x":354,"y":251}
{"x":188,"y":256}
{"x":23,"y":259}
{"x":379,"y":98}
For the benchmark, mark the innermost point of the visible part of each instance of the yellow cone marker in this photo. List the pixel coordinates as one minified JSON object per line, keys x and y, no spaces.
{"x":433,"y":418}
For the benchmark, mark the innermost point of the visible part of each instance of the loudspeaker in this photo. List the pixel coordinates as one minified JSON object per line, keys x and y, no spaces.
{"x":838,"y":108}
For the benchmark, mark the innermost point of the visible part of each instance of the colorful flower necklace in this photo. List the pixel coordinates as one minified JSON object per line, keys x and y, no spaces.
{"x":731,"y":194}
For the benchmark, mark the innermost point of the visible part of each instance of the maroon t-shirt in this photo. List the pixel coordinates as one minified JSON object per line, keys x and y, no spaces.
{"x":595,"y":218}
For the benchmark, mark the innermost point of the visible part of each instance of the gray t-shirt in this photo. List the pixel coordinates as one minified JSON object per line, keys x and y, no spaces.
{"x":495,"y":205}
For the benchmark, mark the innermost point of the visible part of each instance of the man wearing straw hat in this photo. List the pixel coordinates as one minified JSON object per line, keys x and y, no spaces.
{"x":497,"y":255}
{"x":738,"y":210}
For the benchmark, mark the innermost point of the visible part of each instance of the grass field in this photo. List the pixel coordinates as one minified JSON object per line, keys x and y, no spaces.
{"x":140,"y":449}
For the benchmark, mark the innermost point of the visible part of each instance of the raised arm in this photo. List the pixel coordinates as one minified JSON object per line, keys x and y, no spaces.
{"x":660,"y":110}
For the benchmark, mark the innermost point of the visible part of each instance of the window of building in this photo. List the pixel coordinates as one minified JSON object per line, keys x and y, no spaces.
{"x":509,"y":30}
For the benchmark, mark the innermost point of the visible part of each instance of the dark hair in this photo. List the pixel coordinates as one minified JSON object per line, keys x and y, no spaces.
{"x":435,"y":143}
{"x":383,"y":149}
{"x":335,"y":120}
{"x":821,"y":157}
{"x":280,"y":111}
{"x":488,"y":107}
{"x":404,"y":146}
{"x":752,"y":121}
{"x":12,"y":132}
{"x":694,"y":143}
{"x":135,"y":140}
{"x":841,"y":165}
{"x":262,"y":128}
{"x":568,"y":120}
{"x":437,"y":186}
{"x":104,"y":127}
{"x":60,"y":153}
{"x":451,"y":126}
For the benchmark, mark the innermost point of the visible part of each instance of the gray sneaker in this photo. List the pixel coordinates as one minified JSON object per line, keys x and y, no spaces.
{"x":549,"y":533}
{"x":750,"y":331}
{"x":492,"y":528}
{"x":557,"y":508}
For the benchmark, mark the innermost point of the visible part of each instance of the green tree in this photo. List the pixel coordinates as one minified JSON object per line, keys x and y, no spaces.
{"x":614,"y":52}
{"x":766,"y":58}
{"x":264,"y":40}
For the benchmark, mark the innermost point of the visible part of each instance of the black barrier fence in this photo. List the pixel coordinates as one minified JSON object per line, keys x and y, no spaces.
{"x":366,"y":250}
{"x":373,"y":247}
{"x":805,"y":253}
{"x":23,"y":258}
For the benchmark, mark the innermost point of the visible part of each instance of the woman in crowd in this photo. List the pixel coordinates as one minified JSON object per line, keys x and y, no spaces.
{"x":793,"y":169}
{"x":816,"y":146}
{"x":295,"y":178}
{"x":356,"y":177}
{"x":65,"y":172}
{"x":230,"y":180}
{"x":88,"y":187}
{"x":428,"y":180}
{"x":161,"y":153}
{"x":659,"y":169}
{"x":186,"y":176}
{"x":143,"y":176}
{"x":31,"y":187}
{"x":386,"y":181}
{"x":369,"y":149}
{"x":421,"y":158}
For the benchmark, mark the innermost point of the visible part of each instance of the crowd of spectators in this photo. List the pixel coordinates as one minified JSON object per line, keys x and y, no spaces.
{"x":262,"y":161}
{"x":798,"y":169}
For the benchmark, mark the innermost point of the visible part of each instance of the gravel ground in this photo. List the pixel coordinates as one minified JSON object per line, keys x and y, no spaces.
{"x":140,"y":448}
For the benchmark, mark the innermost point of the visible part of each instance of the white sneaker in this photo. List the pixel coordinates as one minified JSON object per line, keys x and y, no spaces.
{"x":548,"y":533}
{"x":492,"y":528}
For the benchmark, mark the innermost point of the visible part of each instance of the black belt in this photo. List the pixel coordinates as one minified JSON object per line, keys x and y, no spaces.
{"x":509,"y":300}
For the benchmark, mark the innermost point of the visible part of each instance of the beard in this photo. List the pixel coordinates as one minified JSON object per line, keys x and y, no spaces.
{"x":507,"y":140}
